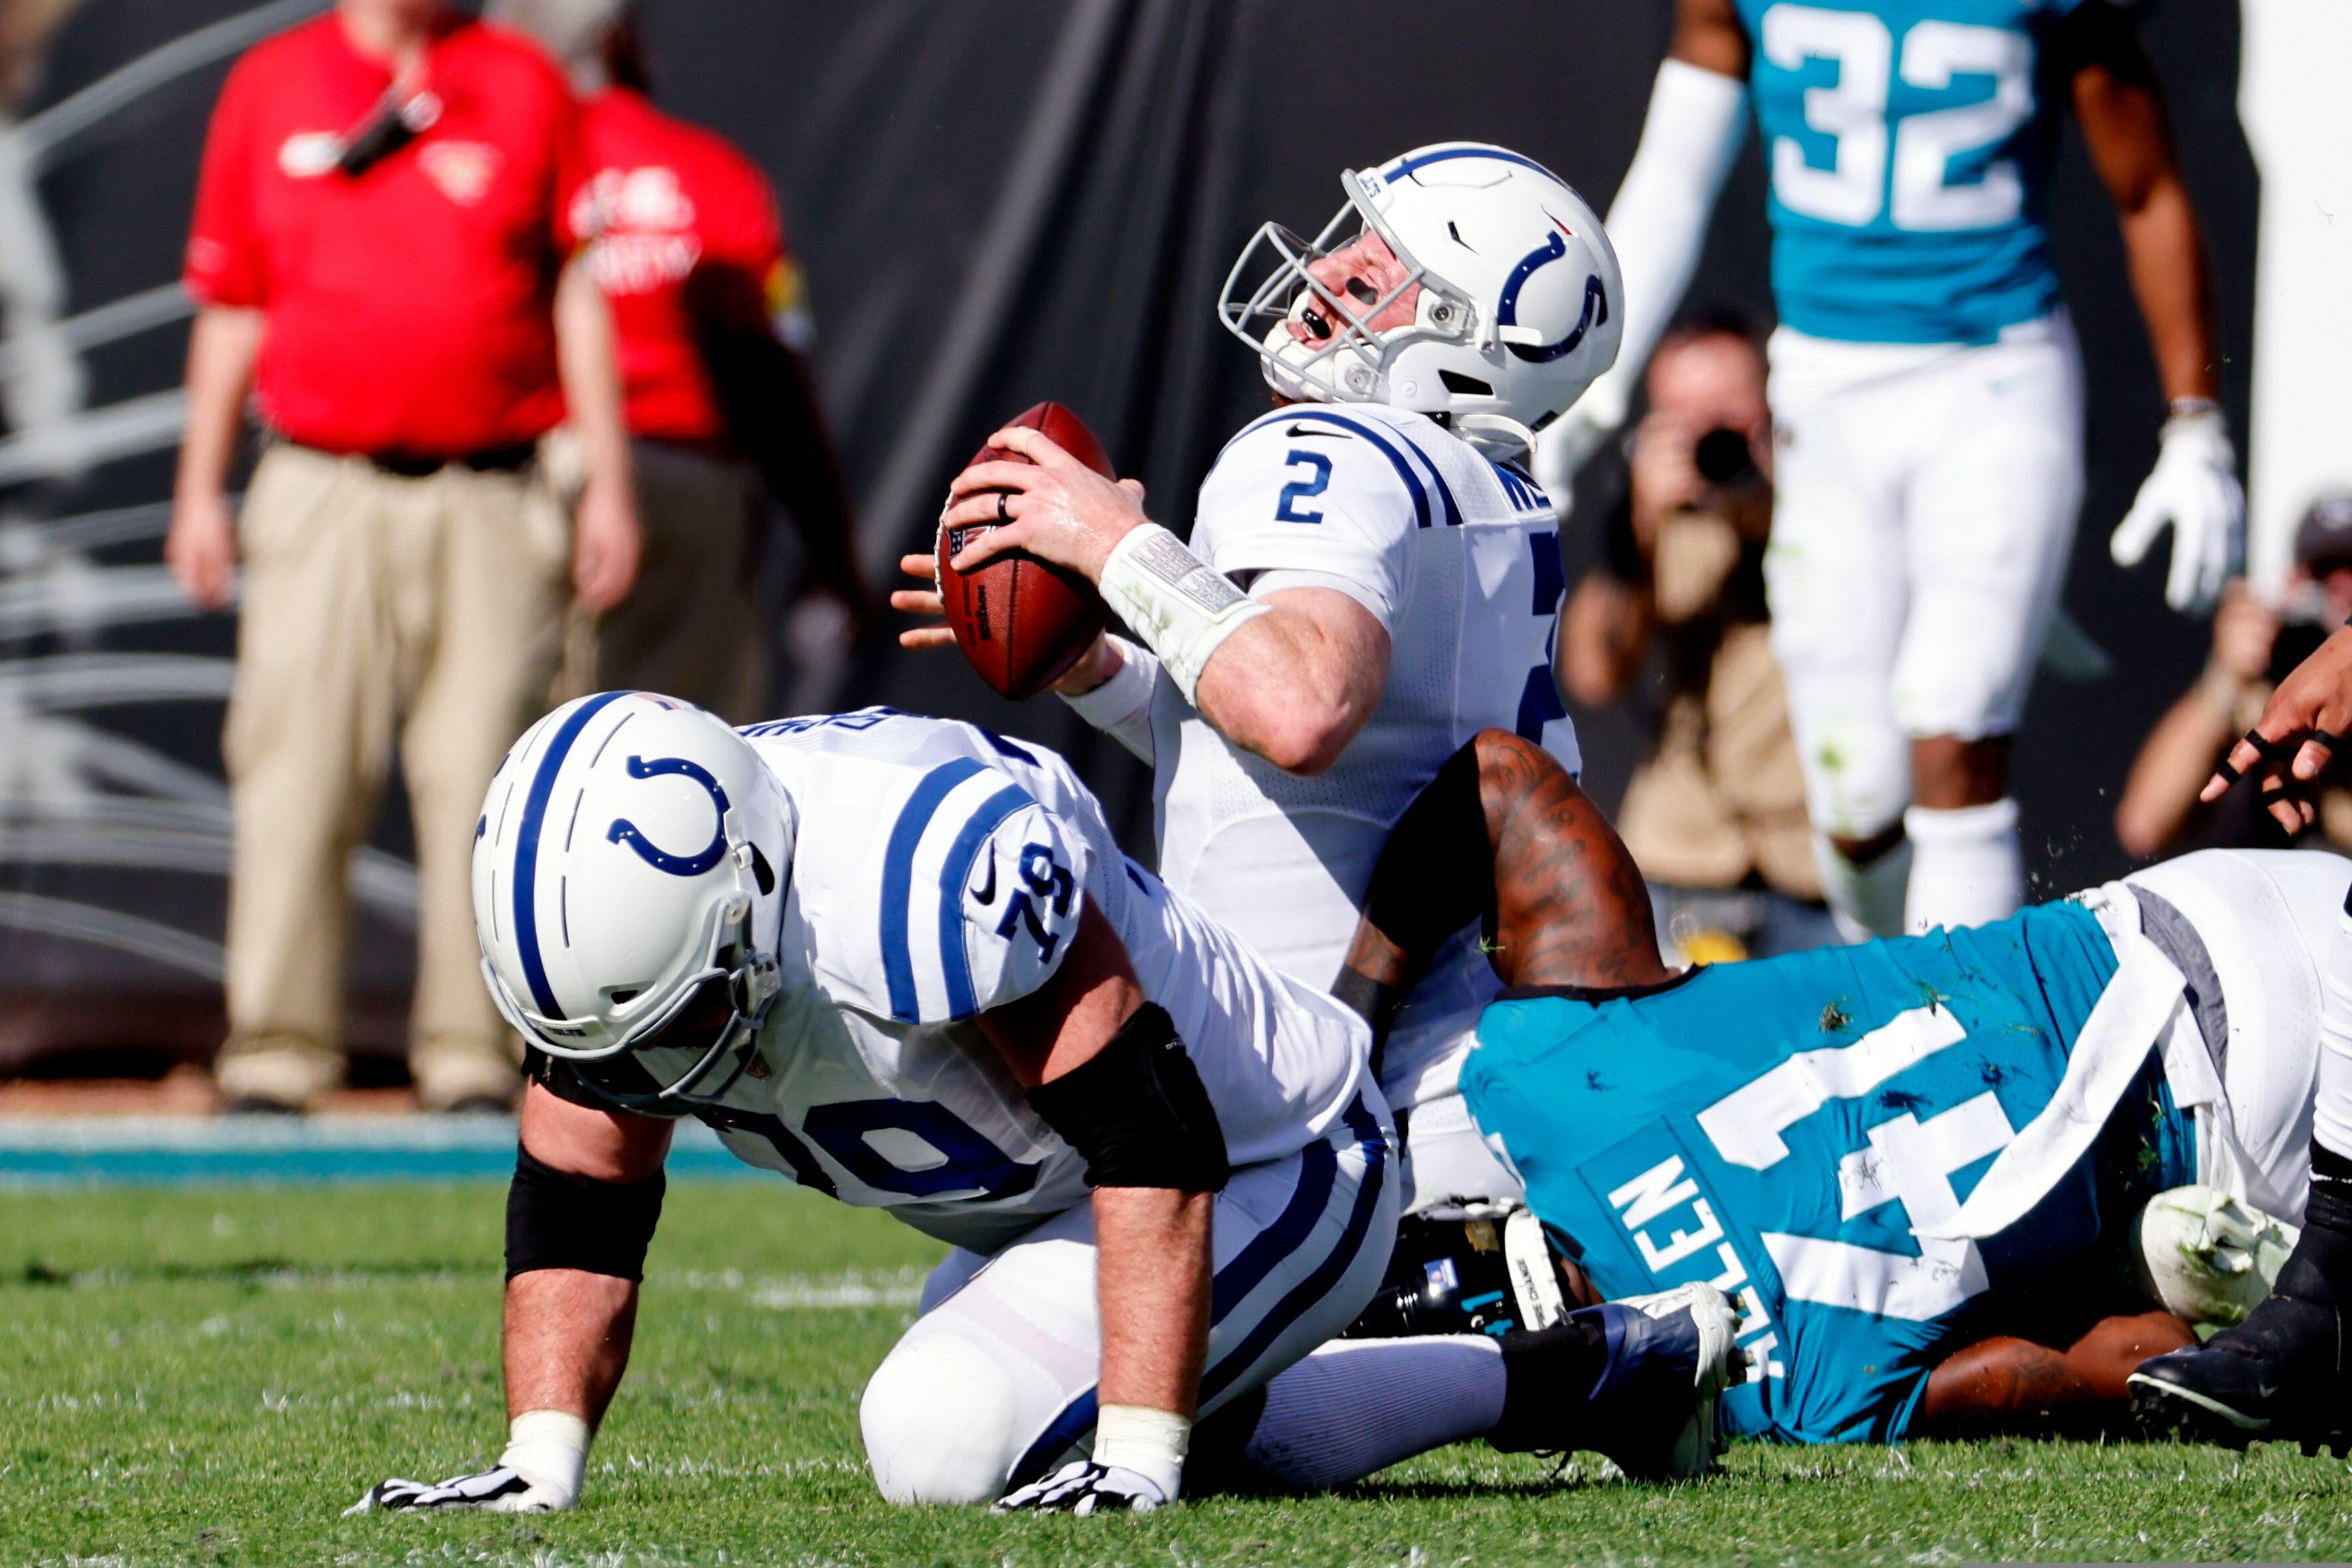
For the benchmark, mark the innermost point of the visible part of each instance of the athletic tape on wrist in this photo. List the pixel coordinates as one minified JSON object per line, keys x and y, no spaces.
{"x":1121,"y":706}
{"x":1174,"y":602}
{"x":1151,"y":1443}
{"x":549,"y":1449}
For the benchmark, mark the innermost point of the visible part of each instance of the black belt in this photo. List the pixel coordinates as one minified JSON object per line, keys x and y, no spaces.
{"x":505,"y":460}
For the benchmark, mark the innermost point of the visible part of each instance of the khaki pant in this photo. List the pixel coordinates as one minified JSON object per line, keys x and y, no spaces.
{"x":690,"y":627}
{"x":376,"y":607}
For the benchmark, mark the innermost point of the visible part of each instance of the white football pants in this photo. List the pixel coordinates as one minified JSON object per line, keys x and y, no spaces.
{"x":2267,"y":920}
{"x":1925,"y":507}
{"x":995,"y":1385}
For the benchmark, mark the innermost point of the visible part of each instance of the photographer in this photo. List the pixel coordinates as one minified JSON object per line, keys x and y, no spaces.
{"x":1715,"y":816}
{"x":2255,"y":645}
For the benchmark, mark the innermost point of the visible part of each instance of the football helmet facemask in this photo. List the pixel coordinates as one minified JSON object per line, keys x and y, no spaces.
{"x":1520,"y":303}
{"x":630,"y":873}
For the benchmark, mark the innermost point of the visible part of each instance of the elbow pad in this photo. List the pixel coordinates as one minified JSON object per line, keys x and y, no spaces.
{"x":556,"y":1220}
{"x":1139,"y":1112}
{"x":1697,"y":119}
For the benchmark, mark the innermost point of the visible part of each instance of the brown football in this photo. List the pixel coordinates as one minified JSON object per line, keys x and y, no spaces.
{"x":1020,"y":621}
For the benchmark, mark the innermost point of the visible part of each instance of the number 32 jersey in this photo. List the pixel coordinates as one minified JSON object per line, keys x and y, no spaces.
{"x":938,"y":872}
{"x":1909,"y":144}
{"x":1458,"y":559}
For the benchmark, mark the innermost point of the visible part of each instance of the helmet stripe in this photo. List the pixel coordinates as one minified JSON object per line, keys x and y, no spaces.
{"x":898,"y":881}
{"x":526,"y":874}
{"x":955,"y":876}
{"x":1410,"y":165}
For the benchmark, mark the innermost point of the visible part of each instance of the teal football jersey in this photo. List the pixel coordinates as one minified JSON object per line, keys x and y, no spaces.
{"x":1778,"y":1128}
{"x":1909,"y":145}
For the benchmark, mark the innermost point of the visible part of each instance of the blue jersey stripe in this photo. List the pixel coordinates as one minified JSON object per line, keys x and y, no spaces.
{"x":1449,"y":153}
{"x":526,"y":868}
{"x":898,"y":881}
{"x":1405,"y":470}
{"x":955,"y":876}
{"x":1248,"y":1269}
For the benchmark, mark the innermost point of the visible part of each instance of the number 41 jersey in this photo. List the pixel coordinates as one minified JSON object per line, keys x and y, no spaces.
{"x":1910,"y":144}
{"x":1779,"y":1128}
{"x":1458,"y":559}
{"x":939,"y":872}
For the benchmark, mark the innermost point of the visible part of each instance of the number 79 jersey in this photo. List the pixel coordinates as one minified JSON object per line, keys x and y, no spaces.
{"x":939,"y":872}
{"x":1779,"y":1128}
{"x":1458,"y":559}
{"x":1909,"y":144}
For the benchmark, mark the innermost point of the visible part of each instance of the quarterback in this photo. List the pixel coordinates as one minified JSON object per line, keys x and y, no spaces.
{"x":1370,"y":578}
{"x":901,"y":962}
{"x":1926,"y":388}
{"x":1923,"y":1166}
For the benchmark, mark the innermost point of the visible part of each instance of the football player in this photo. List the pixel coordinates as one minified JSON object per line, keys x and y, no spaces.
{"x":1918,"y":1163}
{"x":901,"y":962}
{"x":2282,"y":1373}
{"x":1926,"y":388}
{"x":1371,"y":576}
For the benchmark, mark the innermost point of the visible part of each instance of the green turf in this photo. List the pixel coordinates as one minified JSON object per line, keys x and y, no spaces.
{"x":210,"y":1376}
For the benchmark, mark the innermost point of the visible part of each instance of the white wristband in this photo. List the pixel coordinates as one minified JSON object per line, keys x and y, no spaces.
{"x":549,"y":1449}
{"x":1151,"y":1443}
{"x":1121,"y":706}
{"x":1174,"y":601}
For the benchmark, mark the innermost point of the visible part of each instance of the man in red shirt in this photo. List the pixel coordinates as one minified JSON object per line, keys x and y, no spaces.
{"x":706,"y":301}
{"x":380,"y":256}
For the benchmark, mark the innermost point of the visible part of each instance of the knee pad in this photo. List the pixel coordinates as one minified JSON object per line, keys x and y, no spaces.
{"x":938,"y":1420}
{"x":2204,"y":1255}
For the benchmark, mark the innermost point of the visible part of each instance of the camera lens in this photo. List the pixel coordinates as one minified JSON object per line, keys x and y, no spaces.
{"x":1723,"y":458}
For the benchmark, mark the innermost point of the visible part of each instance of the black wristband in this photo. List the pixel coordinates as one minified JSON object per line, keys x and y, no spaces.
{"x":1139,"y":1112}
{"x":556,"y":1220}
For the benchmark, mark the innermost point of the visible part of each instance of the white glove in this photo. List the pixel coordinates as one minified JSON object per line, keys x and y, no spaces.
{"x":2194,"y":488}
{"x":541,"y":1471}
{"x":1083,"y":1486}
{"x":1137,"y":1464}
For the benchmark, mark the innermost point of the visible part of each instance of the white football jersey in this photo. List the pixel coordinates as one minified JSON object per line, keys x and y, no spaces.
{"x":938,"y":871}
{"x":1458,"y":557}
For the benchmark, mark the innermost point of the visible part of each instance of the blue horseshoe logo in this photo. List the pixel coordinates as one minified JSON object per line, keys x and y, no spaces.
{"x":624,"y":831}
{"x":1507,"y":309}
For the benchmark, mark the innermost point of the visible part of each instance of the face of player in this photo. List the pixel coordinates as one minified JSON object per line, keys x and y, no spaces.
{"x":1363,"y":272}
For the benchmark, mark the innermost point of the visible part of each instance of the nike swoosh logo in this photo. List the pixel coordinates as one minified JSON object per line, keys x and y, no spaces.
{"x":987,"y":895}
{"x":1309,"y":433}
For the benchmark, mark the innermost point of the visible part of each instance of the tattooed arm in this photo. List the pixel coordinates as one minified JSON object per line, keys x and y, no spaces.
{"x":1503,"y":836}
{"x":2010,"y":1385}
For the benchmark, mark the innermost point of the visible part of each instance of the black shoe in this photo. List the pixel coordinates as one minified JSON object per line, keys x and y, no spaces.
{"x":1664,"y":1363}
{"x":257,"y":1105}
{"x":2278,"y":1375}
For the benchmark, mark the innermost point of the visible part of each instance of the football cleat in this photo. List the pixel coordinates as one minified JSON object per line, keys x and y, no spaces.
{"x":2279,"y":1374}
{"x":1670,"y":1358}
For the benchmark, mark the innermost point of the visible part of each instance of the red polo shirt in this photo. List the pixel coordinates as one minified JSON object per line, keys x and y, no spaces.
{"x":672,"y":204}
{"x":409,"y":309}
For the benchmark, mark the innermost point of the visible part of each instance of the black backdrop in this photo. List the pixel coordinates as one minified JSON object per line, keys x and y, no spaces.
{"x":998,"y":201}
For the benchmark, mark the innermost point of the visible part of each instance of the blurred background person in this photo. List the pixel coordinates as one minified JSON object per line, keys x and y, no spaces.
{"x":2255,"y":645}
{"x":380,"y":254}
{"x":707,"y":304}
{"x":1714,"y":815}
{"x":1927,"y":389}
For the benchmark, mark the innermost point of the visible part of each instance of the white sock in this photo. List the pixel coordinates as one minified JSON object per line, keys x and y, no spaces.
{"x":2332,"y":1117}
{"x":1865,"y":900}
{"x":1356,"y":1406}
{"x":1967,"y":867}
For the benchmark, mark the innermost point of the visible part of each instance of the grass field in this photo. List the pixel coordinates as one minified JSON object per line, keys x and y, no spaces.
{"x":209,"y":1376}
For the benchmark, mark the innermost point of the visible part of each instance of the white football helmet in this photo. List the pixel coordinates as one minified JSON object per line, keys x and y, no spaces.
{"x":1520,"y":306}
{"x":630,"y":871}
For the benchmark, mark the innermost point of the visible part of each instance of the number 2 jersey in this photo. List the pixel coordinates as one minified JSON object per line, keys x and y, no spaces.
{"x":1458,"y":559}
{"x":939,"y":872}
{"x":1910,"y":145}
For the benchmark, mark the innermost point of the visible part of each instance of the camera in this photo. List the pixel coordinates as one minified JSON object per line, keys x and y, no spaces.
{"x":1724,"y":460}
